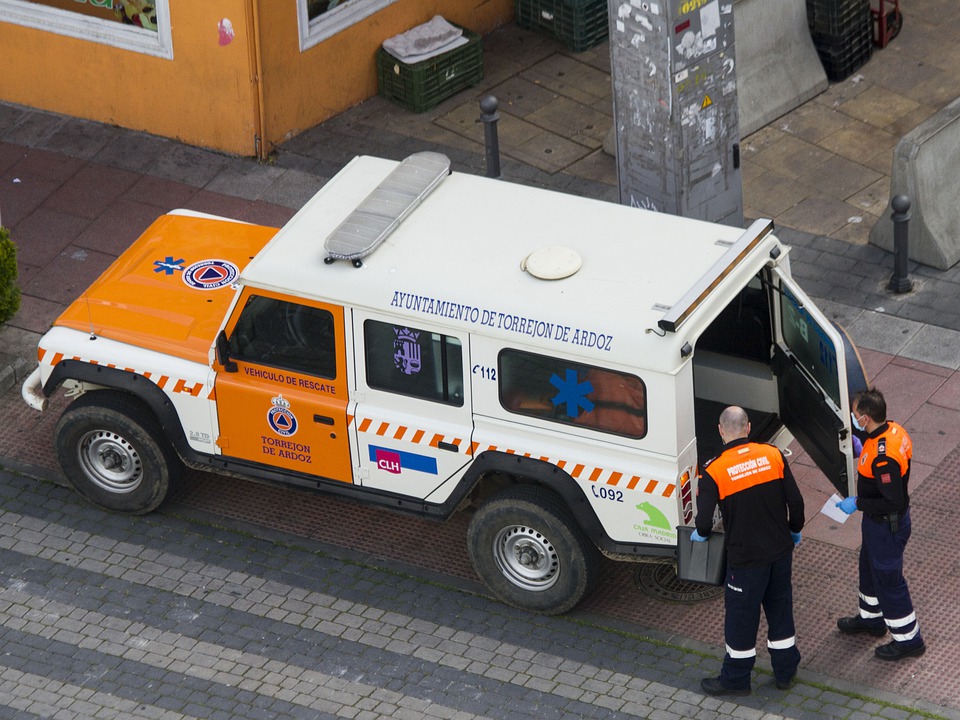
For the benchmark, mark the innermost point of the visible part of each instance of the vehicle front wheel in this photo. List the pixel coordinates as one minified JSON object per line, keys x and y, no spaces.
{"x":529,"y":550}
{"x":114,"y":454}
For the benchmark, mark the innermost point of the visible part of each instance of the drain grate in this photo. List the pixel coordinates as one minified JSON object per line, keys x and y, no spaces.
{"x":660,"y":581}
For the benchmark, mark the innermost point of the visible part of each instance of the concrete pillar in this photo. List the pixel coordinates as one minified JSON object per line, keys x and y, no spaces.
{"x":673,"y":69}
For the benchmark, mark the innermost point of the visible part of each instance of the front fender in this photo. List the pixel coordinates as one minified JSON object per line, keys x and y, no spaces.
{"x":137,"y":385}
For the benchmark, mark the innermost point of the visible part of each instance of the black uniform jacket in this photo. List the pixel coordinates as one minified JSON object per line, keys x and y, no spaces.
{"x":758,"y":498}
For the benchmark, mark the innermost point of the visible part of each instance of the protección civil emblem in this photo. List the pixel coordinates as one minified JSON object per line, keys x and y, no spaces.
{"x":210,"y":274}
{"x":281,"y":419}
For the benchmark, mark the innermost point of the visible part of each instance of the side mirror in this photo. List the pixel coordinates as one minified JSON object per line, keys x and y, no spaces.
{"x":223,"y":353}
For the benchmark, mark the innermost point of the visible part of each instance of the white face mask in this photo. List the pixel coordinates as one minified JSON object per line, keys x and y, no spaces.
{"x":856,"y":424}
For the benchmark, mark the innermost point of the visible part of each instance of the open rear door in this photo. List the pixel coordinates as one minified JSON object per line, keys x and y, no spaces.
{"x":811,"y":360}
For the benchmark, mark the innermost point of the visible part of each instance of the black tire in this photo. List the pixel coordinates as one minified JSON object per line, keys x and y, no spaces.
{"x":897,"y":25}
{"x":528,"y":549}
{"x":114,"y":453}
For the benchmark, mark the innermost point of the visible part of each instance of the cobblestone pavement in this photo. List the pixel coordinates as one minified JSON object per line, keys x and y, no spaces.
{"x":174,"y":615}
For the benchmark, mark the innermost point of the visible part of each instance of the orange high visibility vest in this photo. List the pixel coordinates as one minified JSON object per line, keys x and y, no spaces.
{"x":745,"y":466}
{"x":894,"y":443}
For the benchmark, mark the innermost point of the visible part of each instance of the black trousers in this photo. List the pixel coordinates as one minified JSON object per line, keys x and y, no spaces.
{"x":769,"y":587}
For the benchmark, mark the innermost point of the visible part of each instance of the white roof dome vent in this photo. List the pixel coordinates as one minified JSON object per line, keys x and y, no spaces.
{"x":552,"y":263}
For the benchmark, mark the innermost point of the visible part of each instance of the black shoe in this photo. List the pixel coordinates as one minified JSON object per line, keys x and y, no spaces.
{"x":786,"y":684}
{"x":894,"y":650}
{"x":856,"y":624}
{"x":713,"y":686}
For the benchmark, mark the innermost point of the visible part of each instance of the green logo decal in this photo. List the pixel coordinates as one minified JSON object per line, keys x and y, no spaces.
{"x":655,"y":518}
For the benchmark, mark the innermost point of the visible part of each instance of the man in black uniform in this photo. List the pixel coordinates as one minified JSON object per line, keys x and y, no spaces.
{"x":883,"y":475}
{"x":762,"y":511}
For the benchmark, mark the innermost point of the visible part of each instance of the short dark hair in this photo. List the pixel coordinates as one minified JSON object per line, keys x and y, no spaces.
{"x":871,"y":403}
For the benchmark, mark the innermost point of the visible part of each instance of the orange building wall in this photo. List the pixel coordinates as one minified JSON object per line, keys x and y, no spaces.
{"x":204,"y":96}
{"x":303,"y":89}
{"x":208,"y":94}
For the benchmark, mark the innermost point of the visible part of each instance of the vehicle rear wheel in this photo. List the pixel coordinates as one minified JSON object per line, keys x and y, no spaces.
{"x":529,"y":550}
{"x":113,"y":452}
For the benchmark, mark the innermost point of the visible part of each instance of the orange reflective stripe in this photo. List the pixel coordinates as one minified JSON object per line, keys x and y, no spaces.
{"x":745,"y":466}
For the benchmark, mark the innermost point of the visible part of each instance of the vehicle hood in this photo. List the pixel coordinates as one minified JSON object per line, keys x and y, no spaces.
{"x":170,"y":290}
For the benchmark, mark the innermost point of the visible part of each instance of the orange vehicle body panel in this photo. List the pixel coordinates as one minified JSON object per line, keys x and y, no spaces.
{"x":171,"y":290}
{"x":283,"y":417}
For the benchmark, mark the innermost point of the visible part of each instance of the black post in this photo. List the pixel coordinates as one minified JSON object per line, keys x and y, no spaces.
{"x":899,"y":282}
{"x":489,"y":115}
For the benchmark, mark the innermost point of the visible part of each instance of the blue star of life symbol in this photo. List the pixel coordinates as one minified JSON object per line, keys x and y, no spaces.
{"x":168,"y":265}
{"x":573,"y":393}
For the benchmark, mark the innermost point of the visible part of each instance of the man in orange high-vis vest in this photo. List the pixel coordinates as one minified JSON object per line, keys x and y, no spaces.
{"x":883,"y":475}
{"x":762,"y":511}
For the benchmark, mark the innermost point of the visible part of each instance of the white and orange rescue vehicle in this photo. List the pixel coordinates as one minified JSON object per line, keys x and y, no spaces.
{"x":426,"y":341}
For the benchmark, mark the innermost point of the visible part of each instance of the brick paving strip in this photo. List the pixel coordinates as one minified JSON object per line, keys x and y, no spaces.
{"x":108,"y":610}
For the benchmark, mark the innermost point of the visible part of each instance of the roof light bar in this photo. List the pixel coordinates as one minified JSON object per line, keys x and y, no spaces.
{"x":386,"y":206}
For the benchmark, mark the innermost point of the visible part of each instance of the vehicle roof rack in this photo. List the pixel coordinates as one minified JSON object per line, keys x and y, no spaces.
{"x":385,"y":207}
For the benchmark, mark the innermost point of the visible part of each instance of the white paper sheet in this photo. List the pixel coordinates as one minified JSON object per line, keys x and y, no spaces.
{"x":831,"y":510}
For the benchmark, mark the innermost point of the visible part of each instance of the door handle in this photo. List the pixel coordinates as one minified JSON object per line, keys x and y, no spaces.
{"x":323,"y":420}
{"x":449,"y":447}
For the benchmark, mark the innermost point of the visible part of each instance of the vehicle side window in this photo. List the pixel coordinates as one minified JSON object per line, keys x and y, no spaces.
{"x":573,"y":393}
{"x":409,"y":361}
{"x":286,"y":335}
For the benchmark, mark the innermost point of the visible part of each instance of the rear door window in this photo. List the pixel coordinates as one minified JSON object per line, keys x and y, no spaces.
{"x":572,"y":393}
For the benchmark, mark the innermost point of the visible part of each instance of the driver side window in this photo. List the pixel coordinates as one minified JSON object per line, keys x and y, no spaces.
{"x":287,"y":335}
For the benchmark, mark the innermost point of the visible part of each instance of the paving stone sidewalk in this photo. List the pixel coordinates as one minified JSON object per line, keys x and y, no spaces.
{"x":171,"y":616}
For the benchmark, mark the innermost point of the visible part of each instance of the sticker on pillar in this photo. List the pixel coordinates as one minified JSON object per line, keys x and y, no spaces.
{"x":225,"y":28}
{"x":707,"y":102}
{"x":395,"y":461}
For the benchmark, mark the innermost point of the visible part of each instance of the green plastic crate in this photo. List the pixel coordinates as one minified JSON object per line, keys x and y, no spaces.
{"x":579,"y":24}
{"x":421,"y":86}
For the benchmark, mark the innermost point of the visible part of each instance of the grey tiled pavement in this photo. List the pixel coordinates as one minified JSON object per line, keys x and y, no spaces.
{"x":176,"y":616}
{"x":181,"y":614}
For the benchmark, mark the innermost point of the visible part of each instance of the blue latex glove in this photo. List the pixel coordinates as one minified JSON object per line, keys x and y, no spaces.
{"x":697,"y":537}
{"x":857,"y":446}
{"x":848,"y":505}
{"x":797,"y":537}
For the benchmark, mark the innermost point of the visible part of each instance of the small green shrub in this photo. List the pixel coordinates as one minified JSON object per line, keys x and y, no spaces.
{"x":9,"y":291}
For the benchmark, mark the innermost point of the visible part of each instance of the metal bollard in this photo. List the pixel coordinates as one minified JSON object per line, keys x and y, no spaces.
{"x":489,"y":115}
{"x":899,"y":282}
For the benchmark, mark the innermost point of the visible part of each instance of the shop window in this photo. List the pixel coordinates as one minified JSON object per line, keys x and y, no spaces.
{"x":321,"y":19}
{"x":572,"y":393}
{"x":414,"y":362}
{"x":286,"y":335}
{"x":138,"y":25}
